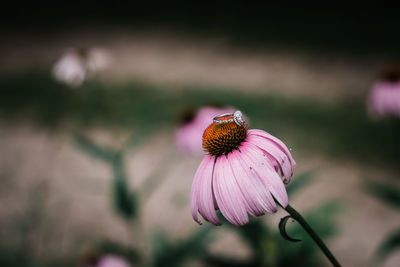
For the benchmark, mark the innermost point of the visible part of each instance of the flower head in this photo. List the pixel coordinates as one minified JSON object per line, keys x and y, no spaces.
{"x":241,"y":172}
{"x":76,"y":65}
{"x":189,"y":134}
{"x":384,"y":98}
{"x":70,"y":69}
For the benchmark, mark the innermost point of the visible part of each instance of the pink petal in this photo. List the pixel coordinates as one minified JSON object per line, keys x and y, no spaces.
{"x":201,"y":196}
{"x":266,"y":173}
{"x":274,"y":148}
{"x":227,"y":193}
{"x":271,"y":151}
{"x":249,"y":196}
{"x":279,"y":143}
{"x":254,"y":192}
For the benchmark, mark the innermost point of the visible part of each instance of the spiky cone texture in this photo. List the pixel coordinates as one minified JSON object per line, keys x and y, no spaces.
{"x":241,"y":174}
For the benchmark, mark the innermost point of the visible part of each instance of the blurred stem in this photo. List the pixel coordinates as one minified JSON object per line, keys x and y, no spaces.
{"x":295,"y":215}
{"x":138,"y":235}
{"x":155,"y":178}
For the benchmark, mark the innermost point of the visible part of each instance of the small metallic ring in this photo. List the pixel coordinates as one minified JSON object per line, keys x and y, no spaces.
{"x":223,"y":118}
{"x":236,"y":117}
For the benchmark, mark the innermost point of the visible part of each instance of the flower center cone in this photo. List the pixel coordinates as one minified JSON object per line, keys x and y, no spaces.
{"x":224,"y":136}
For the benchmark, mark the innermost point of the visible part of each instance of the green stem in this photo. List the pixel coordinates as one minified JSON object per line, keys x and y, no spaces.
{"x":295,"y":215}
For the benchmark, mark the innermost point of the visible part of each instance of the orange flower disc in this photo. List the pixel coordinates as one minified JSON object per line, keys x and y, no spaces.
{"x":223,"y":136}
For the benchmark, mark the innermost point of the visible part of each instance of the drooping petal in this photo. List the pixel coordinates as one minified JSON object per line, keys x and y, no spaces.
{"x":201,"y":197}
{"x":274,"y":148}
{"x":271,"y":151}
{"x":195,"y":190}
{"x":249,"y":195}
{"x":256,"y":195}
{"x":228,"y":195}
{"x":266,"y":173}
{"x":280,"y":144}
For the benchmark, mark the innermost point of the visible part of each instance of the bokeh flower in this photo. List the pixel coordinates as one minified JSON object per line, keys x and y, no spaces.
{"x":75,"y":66}
{"x":112,"y":261}
{"x":189,"y":135}
{"x":241,"y":173}
{"x":384,"y":98}
{"x":107,"y":260}
{"x":70,"y":69}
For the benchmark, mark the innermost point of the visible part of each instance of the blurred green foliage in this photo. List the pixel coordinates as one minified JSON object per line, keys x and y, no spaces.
{"x":94,"y":150}
{"x":340,"y":129}
{"x":389,"y":245}
{"x":167,"y":253}
{"x":125,"y":202}
{"x":390,"y":195}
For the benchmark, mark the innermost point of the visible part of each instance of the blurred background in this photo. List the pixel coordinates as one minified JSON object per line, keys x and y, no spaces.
{"x":93,"y":92}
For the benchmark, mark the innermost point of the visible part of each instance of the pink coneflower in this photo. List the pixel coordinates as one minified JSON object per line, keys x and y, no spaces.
{"x":241,"y":173}
{"x":189,"y":134}
{"x":384,"y":98}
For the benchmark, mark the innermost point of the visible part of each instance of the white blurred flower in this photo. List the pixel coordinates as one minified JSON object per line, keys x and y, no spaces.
{"x":74,"y":67}
{"x":70,"y":69}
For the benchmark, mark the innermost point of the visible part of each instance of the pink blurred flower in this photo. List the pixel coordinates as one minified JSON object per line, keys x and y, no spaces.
{"x":384,"y":99}
{"x":112,"y":261}
{"x":240,"y":173}
{"x":189,"y":135}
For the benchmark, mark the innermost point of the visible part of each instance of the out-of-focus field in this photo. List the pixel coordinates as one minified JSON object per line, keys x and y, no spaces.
{"x":56,"y":194}
{"x":163,"y":57}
